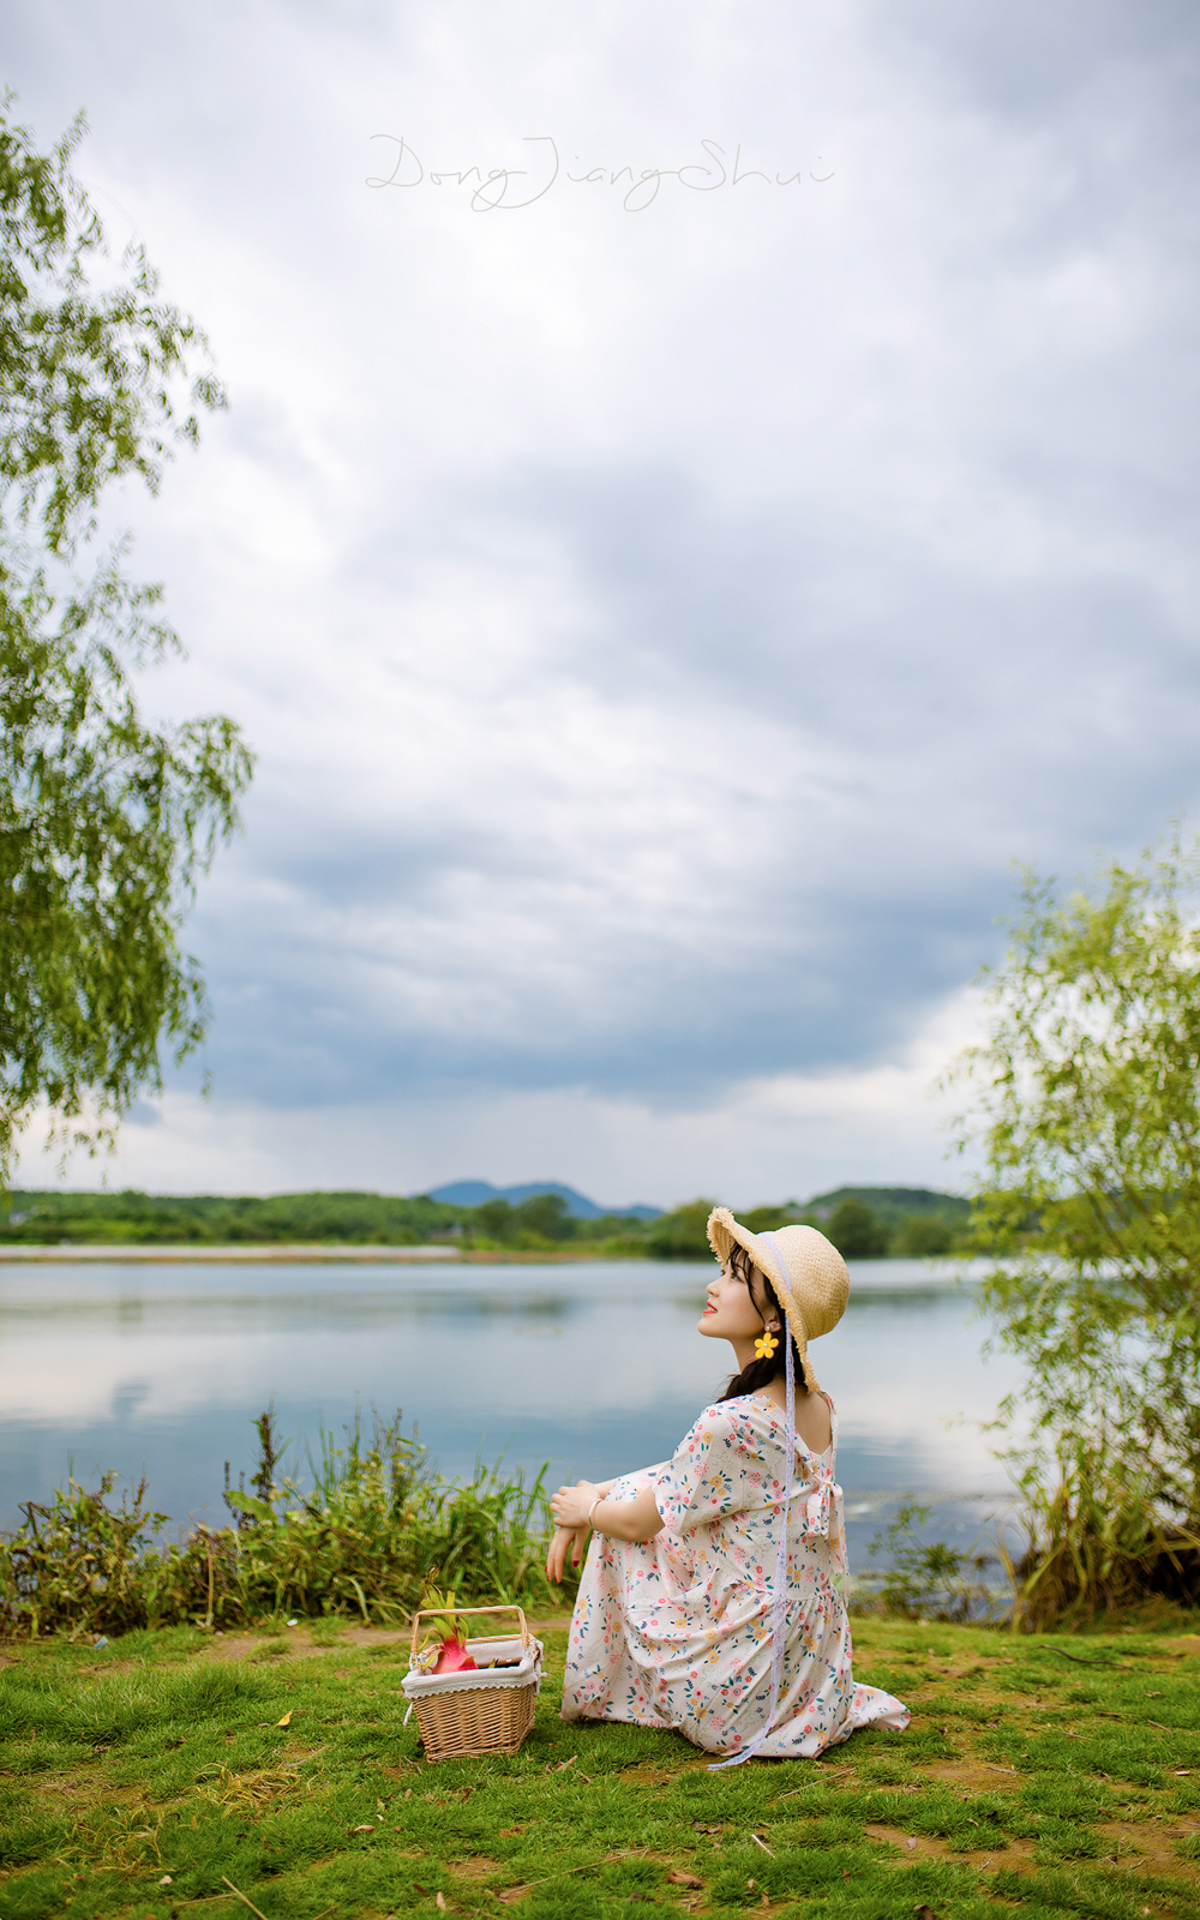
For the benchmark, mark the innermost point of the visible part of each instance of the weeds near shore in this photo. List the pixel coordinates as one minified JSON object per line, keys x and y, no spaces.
{"x":927,"y":1580}
{"x":1096,"y":1544}
{"x":374,"y":1528}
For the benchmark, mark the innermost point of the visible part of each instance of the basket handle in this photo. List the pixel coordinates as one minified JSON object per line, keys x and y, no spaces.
{"x":432,"y":1613}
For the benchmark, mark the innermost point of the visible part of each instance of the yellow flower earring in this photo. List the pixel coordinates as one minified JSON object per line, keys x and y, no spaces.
{"x":765,"y":1345}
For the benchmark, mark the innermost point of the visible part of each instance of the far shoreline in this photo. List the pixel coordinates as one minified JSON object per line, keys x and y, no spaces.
{"x":33,"y":1253}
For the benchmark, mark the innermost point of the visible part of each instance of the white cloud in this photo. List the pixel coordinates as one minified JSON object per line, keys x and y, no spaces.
{"x":659,"y":630}
{"x":767,"y":1139}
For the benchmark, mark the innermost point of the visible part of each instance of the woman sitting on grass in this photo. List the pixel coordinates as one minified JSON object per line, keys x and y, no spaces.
{"x":700,"y":1608}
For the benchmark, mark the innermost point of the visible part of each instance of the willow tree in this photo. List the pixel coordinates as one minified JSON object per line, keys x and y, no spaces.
{"x":1086,"y":1108}
{"x":106,"y":821}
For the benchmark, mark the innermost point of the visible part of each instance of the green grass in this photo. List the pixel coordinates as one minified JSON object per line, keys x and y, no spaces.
{"x":1042,"y":1776}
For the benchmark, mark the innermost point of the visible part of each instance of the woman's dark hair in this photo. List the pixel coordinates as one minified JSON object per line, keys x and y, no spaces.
{"x":760,"y":1373}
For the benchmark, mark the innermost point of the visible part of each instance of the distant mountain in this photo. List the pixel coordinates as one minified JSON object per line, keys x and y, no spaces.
{"x":473,"y":1193}
{"x":892,"y":1204}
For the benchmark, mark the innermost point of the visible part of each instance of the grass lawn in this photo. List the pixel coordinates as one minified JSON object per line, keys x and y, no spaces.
{"x":1043,"y":1776}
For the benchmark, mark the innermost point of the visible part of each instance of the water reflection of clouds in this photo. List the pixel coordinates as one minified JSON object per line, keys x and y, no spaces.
{"x":596,"y":1366}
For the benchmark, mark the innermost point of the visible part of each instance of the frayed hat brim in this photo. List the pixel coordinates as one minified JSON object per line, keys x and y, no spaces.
{"x":813,"y":1286}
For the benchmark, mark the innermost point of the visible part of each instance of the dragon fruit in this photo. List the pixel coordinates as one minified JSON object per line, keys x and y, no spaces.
{"x":454,"y":1658}
{"x":446,"y":1634}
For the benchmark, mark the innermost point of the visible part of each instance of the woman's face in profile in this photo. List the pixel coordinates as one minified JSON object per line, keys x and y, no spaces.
{"x":730,"y":1313}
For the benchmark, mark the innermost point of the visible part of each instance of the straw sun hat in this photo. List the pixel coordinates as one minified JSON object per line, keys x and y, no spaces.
{"x":806,"y":1271}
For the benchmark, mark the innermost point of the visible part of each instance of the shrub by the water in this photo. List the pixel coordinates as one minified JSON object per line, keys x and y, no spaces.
{"x":1097,"y":1543}
{"x":926,"y":1580}
{"x":375,"y":1528}
{"x":1086,"y":1115}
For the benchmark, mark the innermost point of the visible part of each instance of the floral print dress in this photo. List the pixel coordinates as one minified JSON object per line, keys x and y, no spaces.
{"x":676,"y":1631}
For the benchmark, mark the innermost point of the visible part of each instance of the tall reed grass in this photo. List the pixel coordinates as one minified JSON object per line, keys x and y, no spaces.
{"x":1097,"y":1543}
{"x":371,"y":1531}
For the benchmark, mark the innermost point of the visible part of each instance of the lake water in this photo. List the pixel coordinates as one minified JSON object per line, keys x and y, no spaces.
{"x":595,"y":1366}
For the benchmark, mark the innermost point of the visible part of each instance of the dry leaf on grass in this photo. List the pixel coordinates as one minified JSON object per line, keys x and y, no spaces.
{"x":287,"y":1718}
{"x":246,"y":1792}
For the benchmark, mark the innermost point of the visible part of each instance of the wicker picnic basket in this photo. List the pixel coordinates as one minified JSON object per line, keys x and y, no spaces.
{"x":488,"y":1711}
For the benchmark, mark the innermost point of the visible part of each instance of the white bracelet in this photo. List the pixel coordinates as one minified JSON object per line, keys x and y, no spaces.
{"x":592,"y":1508}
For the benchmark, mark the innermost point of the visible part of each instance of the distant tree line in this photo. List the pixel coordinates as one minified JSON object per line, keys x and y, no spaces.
{"x":865,"y":1223}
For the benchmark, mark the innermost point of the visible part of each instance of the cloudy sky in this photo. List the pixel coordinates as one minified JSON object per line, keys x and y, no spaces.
{"x":670,"y":574}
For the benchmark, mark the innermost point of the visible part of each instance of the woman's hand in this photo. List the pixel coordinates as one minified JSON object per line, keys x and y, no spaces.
{"x":571,"y":1505}
{"x":566,"y":1539}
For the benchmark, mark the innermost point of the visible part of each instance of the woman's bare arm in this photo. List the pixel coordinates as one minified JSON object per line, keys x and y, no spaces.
{"x":570,"y":1536}
{"x":637,"y":1519}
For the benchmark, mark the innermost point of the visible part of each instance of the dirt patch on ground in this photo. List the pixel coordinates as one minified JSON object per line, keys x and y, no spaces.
{"x":1147,"y":1845}
{"x":1017,"y":1854}
{"x":301,"y":1643}
{"x":976,"y":1774}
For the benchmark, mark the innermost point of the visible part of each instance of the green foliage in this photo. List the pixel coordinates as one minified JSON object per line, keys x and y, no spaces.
{"x":864,"y":1223}
{"x":148,"y":1219}
{"x":895,"y":1205}
{"x":540,"y":1219}
{"x":927,"y":1580}
{"x":539,"y":1225}
{"x":79,"y":1561}
{"x":770,"y":1219}
{"x":106,"y":823}
{"x":856,"y":1233}
{"x":922,"y":1236}
{"x":682,"y":1235}
{"x":365,"y":1539}
{"x":360,"y":1219}
{"x":1087,"y":1113}
{"x":546,"y":1214}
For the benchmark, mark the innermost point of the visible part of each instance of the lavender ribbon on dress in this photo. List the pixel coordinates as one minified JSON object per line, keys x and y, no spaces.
{"x":824,"y":1514}
{"x":779,"y":1596}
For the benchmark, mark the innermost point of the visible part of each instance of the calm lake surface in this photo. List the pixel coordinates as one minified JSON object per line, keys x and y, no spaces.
{"x":594,"y":1366}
